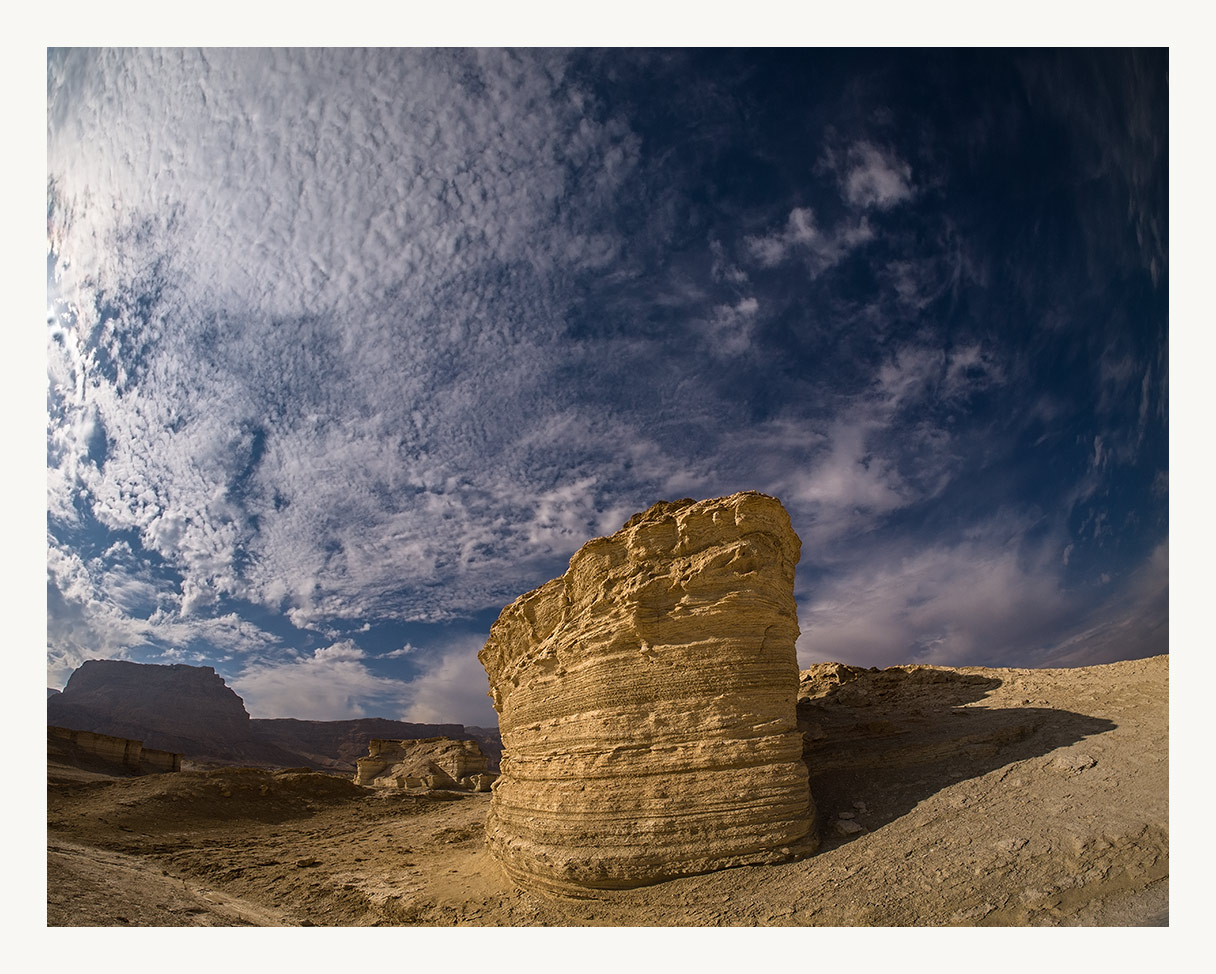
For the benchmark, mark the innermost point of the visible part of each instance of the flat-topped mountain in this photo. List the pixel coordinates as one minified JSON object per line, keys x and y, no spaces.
{"x":176,"y":707}
{"x":192,"y":711}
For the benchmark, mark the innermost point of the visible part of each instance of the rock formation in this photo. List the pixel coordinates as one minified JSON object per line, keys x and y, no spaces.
{"x":180,"y":708}
{"x":431,"y":763}
{"x":190,"y":710}
{"x":85,"y":748}
{"x":646,"y":703}
{"x":339,"y":744}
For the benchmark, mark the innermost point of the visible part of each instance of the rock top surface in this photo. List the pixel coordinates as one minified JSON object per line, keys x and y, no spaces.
{"x":646,"y":703}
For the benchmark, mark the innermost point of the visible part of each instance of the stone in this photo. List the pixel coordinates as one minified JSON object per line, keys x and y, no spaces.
{"x":1071,"y":762}
{"x":646,"y":703}
{"x":431,"y":763}
{"x":846,"y":826}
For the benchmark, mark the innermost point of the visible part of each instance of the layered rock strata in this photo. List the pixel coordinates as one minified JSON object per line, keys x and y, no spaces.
{"x":119,"y":752}
{"x":433,"y":763}
{"x":646,"y":703}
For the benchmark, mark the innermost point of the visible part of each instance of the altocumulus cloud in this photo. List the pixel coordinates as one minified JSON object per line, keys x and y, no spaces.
{"x":350,"y":348}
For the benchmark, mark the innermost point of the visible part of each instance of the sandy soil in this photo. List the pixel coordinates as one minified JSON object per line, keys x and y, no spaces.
{"x":969,"y":797}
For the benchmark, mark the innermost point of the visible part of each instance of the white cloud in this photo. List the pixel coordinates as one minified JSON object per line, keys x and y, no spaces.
{"x":874,"y":177}
{"x":802,"y":239}
{"x":405,"y":650}
{"x":353,"y":316}
{"x":454,"y":689}
{"x":110,"y":606}
{"x":1131,"y":622}
{"x":332,"y":684}
{"x":729,"y":329}
{"x":961,"y":604}
{"x":722,"y":269}
{"x":336,"y":683}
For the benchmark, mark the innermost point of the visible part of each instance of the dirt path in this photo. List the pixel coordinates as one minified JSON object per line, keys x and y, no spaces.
{"x":984,"y":797}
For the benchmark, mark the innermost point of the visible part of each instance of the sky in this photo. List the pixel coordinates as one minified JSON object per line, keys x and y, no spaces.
{"x":347,"y":349}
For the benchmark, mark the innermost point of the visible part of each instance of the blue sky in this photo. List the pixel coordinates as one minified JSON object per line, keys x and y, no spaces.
{"x":346,"y":350}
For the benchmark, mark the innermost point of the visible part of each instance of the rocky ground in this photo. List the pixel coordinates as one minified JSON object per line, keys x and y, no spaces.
{"x":945,"y":797}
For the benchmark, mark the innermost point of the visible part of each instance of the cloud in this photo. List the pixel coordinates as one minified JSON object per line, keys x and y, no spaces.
{"x":455,"y":688}
{"x":117,"y":607}
{"x":875,"y":178}
{"x":729,"y":330}
{"x":333,"y":683}
{"x":801,"y":238}
{"x":993,"y":596}
{"x":345,"y":313}
{"x":354,"y":337}
{"x":967,"y":603}
{"x":336,"y":683}
{"x":1131,"y":622}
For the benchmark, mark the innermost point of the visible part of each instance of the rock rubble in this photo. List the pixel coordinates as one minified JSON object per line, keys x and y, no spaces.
{"x":436,"y":763}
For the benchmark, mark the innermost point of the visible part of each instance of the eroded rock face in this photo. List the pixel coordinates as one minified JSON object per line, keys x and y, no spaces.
{"x":646,"y":703}
{"x":431,"y":763}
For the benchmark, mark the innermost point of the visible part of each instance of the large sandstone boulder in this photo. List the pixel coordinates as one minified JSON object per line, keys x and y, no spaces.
{"x":646,"y":703}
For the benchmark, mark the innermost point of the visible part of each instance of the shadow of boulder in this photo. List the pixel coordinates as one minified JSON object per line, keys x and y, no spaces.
{"x":886,"y":740}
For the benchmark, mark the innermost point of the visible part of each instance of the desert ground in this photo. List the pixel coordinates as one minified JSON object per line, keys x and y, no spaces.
{"x":945,"y":797}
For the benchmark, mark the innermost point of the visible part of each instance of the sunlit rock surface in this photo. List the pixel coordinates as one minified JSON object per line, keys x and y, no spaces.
{"x":431,"y":763}
{"x":646,"y":702}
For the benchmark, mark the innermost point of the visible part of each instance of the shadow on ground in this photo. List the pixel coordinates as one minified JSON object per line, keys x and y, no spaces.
{"x":889,"y":739}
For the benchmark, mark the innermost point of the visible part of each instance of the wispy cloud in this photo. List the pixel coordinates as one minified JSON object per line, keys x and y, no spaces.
{"x":337,"y":682}
{"x":966,"y":603}
{"x":255,"y":439}
{"x":110,"y":607}
{"x":729,"y":330}
{"x":873,"y":177}
{"x":803,"y":239}
{"x":455,"y":684}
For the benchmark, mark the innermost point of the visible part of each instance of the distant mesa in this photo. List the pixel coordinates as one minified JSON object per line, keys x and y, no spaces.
{"x":646,"y":702}
{"x":176,"y":707}
{"x":430,"y":764}
{"x":189,"y":710}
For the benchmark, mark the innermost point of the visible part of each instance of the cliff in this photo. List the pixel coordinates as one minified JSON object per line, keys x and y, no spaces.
{"x":186,"y":709}
{"x":190,"y":710}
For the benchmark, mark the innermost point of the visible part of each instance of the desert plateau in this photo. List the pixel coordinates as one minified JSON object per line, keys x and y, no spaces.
{"x":965,"y":796}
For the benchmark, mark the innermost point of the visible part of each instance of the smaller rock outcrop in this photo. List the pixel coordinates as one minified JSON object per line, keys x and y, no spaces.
{"x":84,"y":747}
{"x":434,"y":763}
